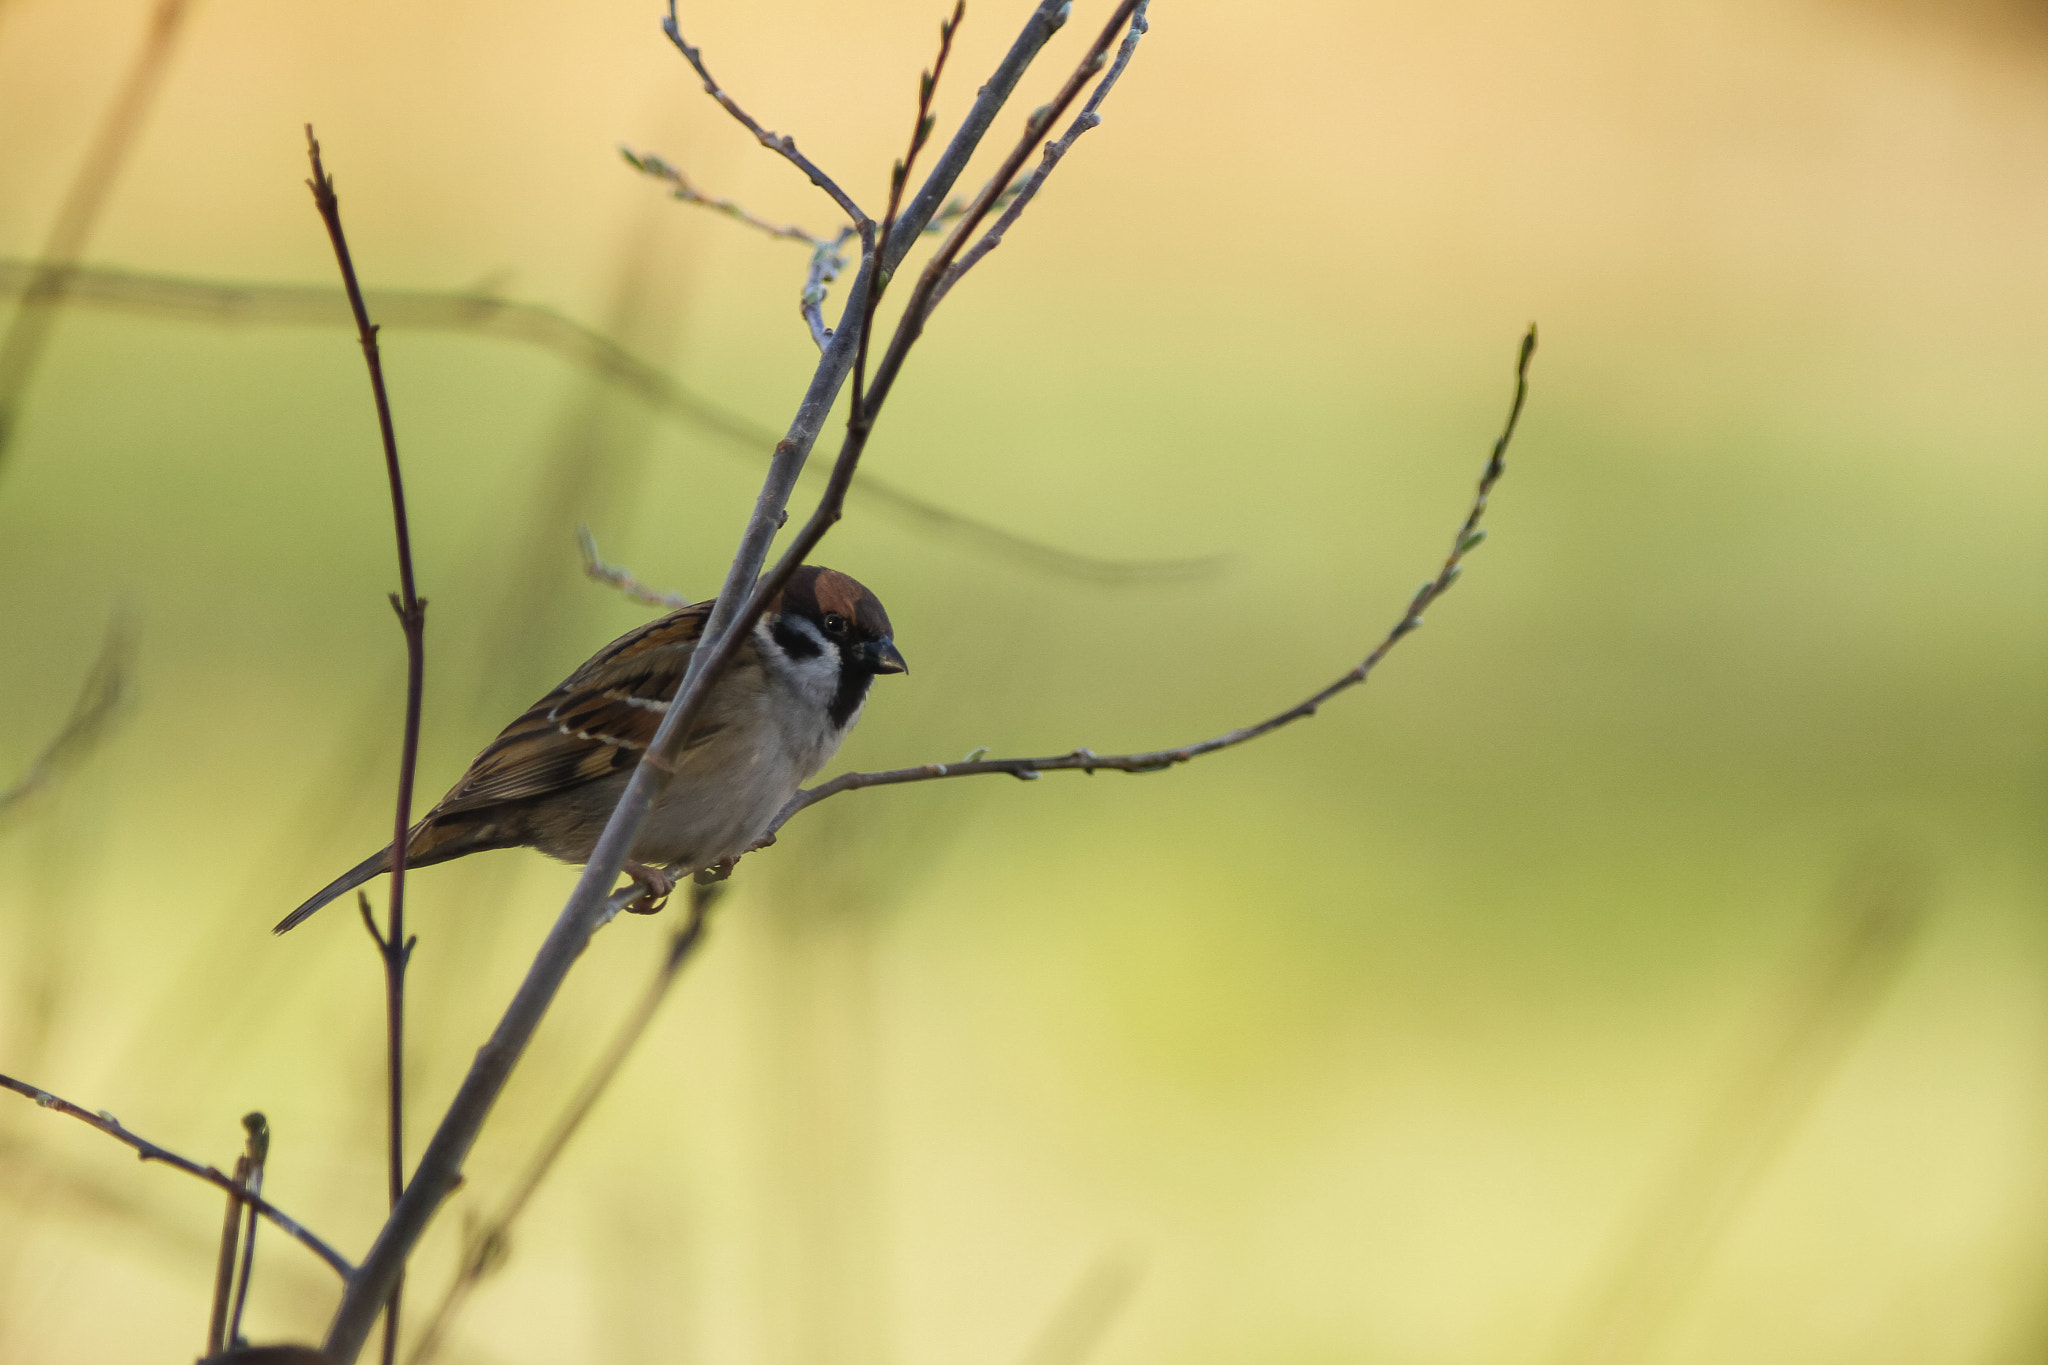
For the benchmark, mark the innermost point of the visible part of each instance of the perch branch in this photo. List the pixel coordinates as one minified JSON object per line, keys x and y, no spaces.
{"x":394,"y":949}
{"x":149,"y":1151}
{"x":1020,"y":196}
{"x":782,"y":146}
{"x":1083,"y":760}
{"x":591,"y":904}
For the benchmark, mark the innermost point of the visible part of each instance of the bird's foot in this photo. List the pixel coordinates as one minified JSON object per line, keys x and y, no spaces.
{"x":655,"y":886}
{"x":717,"y":872}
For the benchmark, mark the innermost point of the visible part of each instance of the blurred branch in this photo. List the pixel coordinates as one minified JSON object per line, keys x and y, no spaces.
{"x":782,"y":146}
{"x":229,"y":302}
{"x":622,"y":578}
{"x":21,"y":347}
{"x":394,"y":949}
{"x":1084,"y":1317}
{"x":489,"y":1245}
{"x":1861,"y":942}
{"x":1083,"y":760}
{"x":1022,"y":195}
{"x":99,"y":700}
{"x":738,"y":604}
{"x":149,"y":1151}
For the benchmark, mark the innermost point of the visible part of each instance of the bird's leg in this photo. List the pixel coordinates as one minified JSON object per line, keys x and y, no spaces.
{"x":655,"y":884}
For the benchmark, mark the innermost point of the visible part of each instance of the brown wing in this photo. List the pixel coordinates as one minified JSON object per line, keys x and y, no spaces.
{"x":598,"y":721}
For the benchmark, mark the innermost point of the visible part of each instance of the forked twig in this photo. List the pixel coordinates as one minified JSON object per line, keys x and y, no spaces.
{"x":781,"y":145}
{"x":1083,"y":760}
{"x":149,"y":1151}
{"x":1022,"y":195}
{"x":394,"y":949}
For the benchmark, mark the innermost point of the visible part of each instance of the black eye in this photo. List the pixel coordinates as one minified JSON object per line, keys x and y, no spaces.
{"x":835,"y":624}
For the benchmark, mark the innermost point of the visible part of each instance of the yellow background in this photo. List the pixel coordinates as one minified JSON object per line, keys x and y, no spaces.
{"x":1396,"y":1037}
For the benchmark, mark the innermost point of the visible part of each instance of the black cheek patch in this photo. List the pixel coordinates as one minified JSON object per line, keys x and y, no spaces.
{"x":795,"y":643}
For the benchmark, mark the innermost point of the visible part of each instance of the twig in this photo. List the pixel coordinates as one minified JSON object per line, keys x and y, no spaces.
{"x":21,"y":347}
{"x":860,"y":412}
{"x":593,"y":902}
{"x":621,"y":578}
{"x":680,"y":188}
{"x":530,"y":324}
{"x":1022,"y":195}
{"x":394,"y":949}
{"x":149,"y":1151}
{"x":781,"y":145}
{"x":487,"y":1245}
{"x":827,"y":253}
{"x":224,"y":1263}
{"x":99,"y":700}
{"x":257,"y":1130}
{"x":1083,"y":760}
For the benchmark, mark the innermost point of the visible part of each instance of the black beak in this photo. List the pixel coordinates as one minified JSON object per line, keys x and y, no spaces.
{"x":881,"y":656}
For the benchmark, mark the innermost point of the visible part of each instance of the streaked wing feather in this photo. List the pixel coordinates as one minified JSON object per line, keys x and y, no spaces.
{"x":598,"y":721}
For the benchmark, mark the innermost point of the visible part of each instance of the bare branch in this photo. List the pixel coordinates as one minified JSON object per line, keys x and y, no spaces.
{"x":781,"y":145}
{"x":1083,"y":760}
{"x":394,"y":949}
{"x":99,"y":700}
{"x":531,"y":324}
{"x":861,"y":414}
{"x":1022,"y":195}
{"x":149,"y":1151}
{"x":623,"y":579}
{"x":680,"y":188}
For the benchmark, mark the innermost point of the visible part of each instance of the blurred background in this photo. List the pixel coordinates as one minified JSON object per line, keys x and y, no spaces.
{"x":1647,"y":965}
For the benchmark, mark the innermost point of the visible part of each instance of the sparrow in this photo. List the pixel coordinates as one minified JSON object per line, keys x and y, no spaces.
{"x":550,"y":779}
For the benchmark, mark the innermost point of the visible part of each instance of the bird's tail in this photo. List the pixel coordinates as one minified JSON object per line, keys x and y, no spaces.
{"x":348,"y":881}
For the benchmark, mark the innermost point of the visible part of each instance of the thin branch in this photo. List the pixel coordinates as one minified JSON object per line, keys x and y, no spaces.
{"x":783,"y":146}
{"x":488,"y":1245}
{"x":593,"y":901}
{"x":257,"y":1131}
{"x":622,"y":578}
{"x":1158,"y":760}
{"x":232,"y":302}
{"x":149,"y":1151}
{"x":1022,"y":195}
{"x":99,"y":701}
{"x":680,"y":188}
{"x":21,"y":347}
{"x":394,"y":949}
{"x":224,"y":1264}
{"x":860,"y":412}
